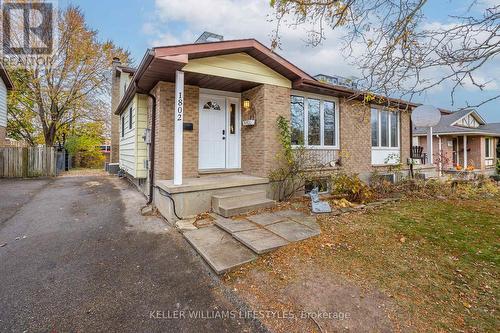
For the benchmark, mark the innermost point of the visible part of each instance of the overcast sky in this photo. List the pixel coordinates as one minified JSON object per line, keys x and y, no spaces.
{"x":139,"y":24}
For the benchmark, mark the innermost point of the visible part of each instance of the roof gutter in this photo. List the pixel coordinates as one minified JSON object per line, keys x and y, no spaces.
{"x":152,"y":143}
{"x":346,"y":92}
{"x":460,"y":133}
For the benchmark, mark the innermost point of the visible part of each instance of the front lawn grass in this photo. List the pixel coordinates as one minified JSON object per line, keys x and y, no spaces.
{"x":438,"y":260}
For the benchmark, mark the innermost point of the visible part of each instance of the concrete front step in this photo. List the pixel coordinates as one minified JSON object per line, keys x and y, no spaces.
{"x":230,"y":198}
{"x":244,"y":206}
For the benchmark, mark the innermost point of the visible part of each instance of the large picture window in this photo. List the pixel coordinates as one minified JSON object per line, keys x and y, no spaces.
{"x":314,"y":122}
{"x":384,"y":128}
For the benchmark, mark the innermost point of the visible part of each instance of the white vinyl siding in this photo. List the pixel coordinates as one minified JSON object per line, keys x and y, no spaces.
{"x":141,"y":147}
{"x":3,"y":104}
{"x":124,"y":83}
{"x":133,"y":149}
{"x":128,"y":141}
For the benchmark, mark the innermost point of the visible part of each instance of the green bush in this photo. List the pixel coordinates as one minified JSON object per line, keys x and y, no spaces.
{"x":498,"y":166}
{"x":350,"y":187}
{"x":294,"y":166}
{"x":85,"y":151}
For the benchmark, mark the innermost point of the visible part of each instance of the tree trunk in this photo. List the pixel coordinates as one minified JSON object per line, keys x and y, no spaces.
{"x":50,"y":135}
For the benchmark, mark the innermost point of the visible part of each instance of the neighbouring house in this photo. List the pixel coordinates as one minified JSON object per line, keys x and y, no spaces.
{"x":195,"y":125}
{"x":5,"y":85}
{"x":106,"y":151}
{"x":464,"y":139}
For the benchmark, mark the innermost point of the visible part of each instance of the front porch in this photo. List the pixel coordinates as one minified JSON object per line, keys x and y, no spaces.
{"x":203,"y":194}
{"x":457,"y":154}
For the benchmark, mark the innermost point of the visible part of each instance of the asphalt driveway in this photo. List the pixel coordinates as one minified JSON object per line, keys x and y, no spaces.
{"x":75,"y":255}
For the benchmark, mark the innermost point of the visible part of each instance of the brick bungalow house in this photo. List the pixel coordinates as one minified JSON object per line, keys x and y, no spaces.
{"x":5,"y":85}
{"x":195,"y":124}
{"x":462,"y":138}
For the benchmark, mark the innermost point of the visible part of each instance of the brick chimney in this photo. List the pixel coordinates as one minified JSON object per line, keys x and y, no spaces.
{"x":115,"y":120}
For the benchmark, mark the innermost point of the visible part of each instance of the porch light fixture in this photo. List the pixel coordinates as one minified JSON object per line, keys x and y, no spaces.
{"x":246,"y":104}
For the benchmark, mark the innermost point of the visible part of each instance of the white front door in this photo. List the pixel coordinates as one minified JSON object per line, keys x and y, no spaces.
{"x":212,"y":148}
{"x":219,"y":136}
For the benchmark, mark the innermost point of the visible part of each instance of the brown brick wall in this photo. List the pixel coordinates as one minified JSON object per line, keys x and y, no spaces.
{"x":355,"y":137}
{"x":115,"y":119}
{"x":476,"y":154}
{"x":260,"y":143}
{"x":447,"y":151}
{"x":404,"y":134}
{"x":164,"y":141}
{"x":3,"y":134}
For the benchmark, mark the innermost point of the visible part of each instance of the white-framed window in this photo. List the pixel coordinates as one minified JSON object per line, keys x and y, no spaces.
{"x":123,"y":125}
{"x":314,"y":121}
{"x":488,"y":147}
{"x":130,"y":117}
{"x":384,"y":128}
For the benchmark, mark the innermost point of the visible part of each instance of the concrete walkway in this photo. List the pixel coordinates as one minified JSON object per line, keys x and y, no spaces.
{"x":75,"y":256}
{"x":230,"y":243}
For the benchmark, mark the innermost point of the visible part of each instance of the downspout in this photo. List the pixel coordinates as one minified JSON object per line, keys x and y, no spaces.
{"x":152,"y":149}
{"x":152,"y":143}
{"x":152,"y":154}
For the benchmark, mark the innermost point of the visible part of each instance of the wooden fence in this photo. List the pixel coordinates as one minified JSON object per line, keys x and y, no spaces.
{"x":27,"y":162}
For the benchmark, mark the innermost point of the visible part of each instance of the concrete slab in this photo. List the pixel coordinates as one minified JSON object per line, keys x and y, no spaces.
{"x":308,"y":221}
{"x":266,"y":218}
{"x":186,"y":224}
{"x":220,"y":250}
{"x":233,"y":226}
{"x":260,"y":240}
{"x":210,"y":183}
{"x":204,"y":223}
{"x":292,"y":231}
{"x":290,"y":213}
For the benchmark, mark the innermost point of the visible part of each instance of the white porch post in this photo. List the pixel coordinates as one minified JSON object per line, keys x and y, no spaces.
{"x":429,"y":146}
{"x":465,"y":152}
{"x":440,"y":152}
{"x":178,"y":127}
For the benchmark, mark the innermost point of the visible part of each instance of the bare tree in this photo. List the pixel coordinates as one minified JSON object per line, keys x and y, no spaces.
{"x":394,"y":47}
{"x":70,"y":85}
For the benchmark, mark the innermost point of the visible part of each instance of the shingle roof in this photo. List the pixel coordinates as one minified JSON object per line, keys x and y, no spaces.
{"x":445,"y":125}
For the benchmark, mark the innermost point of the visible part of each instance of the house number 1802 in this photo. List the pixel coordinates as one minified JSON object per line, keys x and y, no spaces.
{"x":179,"y":108}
